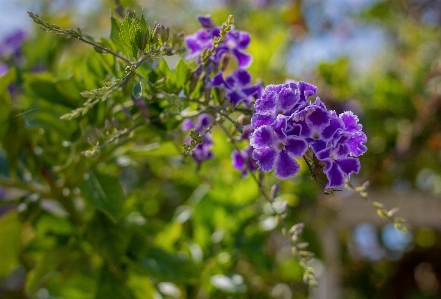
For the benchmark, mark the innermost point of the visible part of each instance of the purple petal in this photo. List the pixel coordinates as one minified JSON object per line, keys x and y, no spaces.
{"x":254,"y":90}
{"x":243,"y":40}
{"x":335,"y":124}
{"x":317,"y":146}
{"x":243,"y":59}
{"x":262,"y":137}
{"x":204,"y":120}
{"x":242,"y":76}
{"x":267,"y":103}
{"x":3,"y":69}
{"x":288,"y":98}
{"x":206,"y":21}
{"x":218,"y":80}
{"x":265,"y":158}
{"x":334,"y":174}
{"x":348,"y":165}
{"x":296,"y":146}
{"x":351,"y":122}
{"x":286,"y":166}
{"x":274,"y":88}
{"x":259,"y":120}
{"x":187,"y":124}
{"x":235,"y":97}
{"x":306,"y":90}
{"x":356,"y":146}
{"x":238,"y":160}
{"x":319,"y":118}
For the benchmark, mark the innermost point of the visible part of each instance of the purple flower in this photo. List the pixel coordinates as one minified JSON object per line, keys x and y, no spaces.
{"x":284,"y":99}
{"x":3,"y":69}
{"x":273,"y":148}
{"x":236,"y":41}
{"x":238,"y":87}
{"x":11,"y":46}
{"x":286,"y":124}
{"x":243,"y":161}
{"x":202,"y":151}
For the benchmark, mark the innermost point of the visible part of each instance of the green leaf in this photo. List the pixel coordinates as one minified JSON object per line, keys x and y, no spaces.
{"x":126,"y":35}
{"x":5,"y":99}
{"x":104,"y":192}
{"x":115,"y":34}
{"x":10,"y":236}
{"x":181,"y":73}
{"x":61,"y":91}
{"x":137,"y":90}
{"x":169,"y":267}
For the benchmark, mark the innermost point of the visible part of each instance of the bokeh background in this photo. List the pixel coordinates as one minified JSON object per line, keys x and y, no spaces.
{"x":378,"y":58}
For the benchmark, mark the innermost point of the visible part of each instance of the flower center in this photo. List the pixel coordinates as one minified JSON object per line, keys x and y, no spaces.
{"x":280,"y":145}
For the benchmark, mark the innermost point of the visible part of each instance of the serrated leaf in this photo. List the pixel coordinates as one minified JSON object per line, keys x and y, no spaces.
{"x":125,"y":35}
{"x":114,"y":33}
{"x":137,"y":90}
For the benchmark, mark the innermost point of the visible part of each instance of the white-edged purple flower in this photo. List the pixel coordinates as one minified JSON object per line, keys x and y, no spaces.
{"x":273,"y":148}
{"x":238,"y":87}
{"x":236,"y":41}
{"x":286,"y":124}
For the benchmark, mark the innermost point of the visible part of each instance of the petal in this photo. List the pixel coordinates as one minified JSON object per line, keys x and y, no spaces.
{"x":356,"y":146}
{"x":206,"y":21}
{"x":235,"y":97}
{"x":243,"y":40}
{"x":288,"y":98}
{"x":265,"y":158}
{"x":238,"y":160}
{"x":218,"y":80}
{"x":263,"y":137}
{"x":242,"y":77}
{"x":306,"y":90}
{"x":334,"y":174}
{"x":296,"y":146}
{"x":204,"y":120}
{"x":267,"y":103}
{"x":286,"y":166}
{"x":243,"y":59}
{"x":254,"y":90}
{"x":187,"y":124}
{"x":259,"y":120}
{"x":348,"y":165}
{"x":335,"y":124}
{"x":351,"y":122}
{"x":317,"y":146}
{"x":319,"y":118}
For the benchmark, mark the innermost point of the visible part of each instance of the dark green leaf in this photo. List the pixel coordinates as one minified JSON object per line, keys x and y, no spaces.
{"x":169,"y":267}
{"x":10,"y":239}
{"x":104,"y":192}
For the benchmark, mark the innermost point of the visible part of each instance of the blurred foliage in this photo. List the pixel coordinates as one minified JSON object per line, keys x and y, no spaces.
{"x":136,"y":220}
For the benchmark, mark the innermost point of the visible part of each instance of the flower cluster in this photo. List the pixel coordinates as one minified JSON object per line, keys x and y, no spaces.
{"x":285,"y":124}
{"x":238,"y":84}
{"x":201,"y":139}
{"x":236,"y":41}
{"x":238,"y":87}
